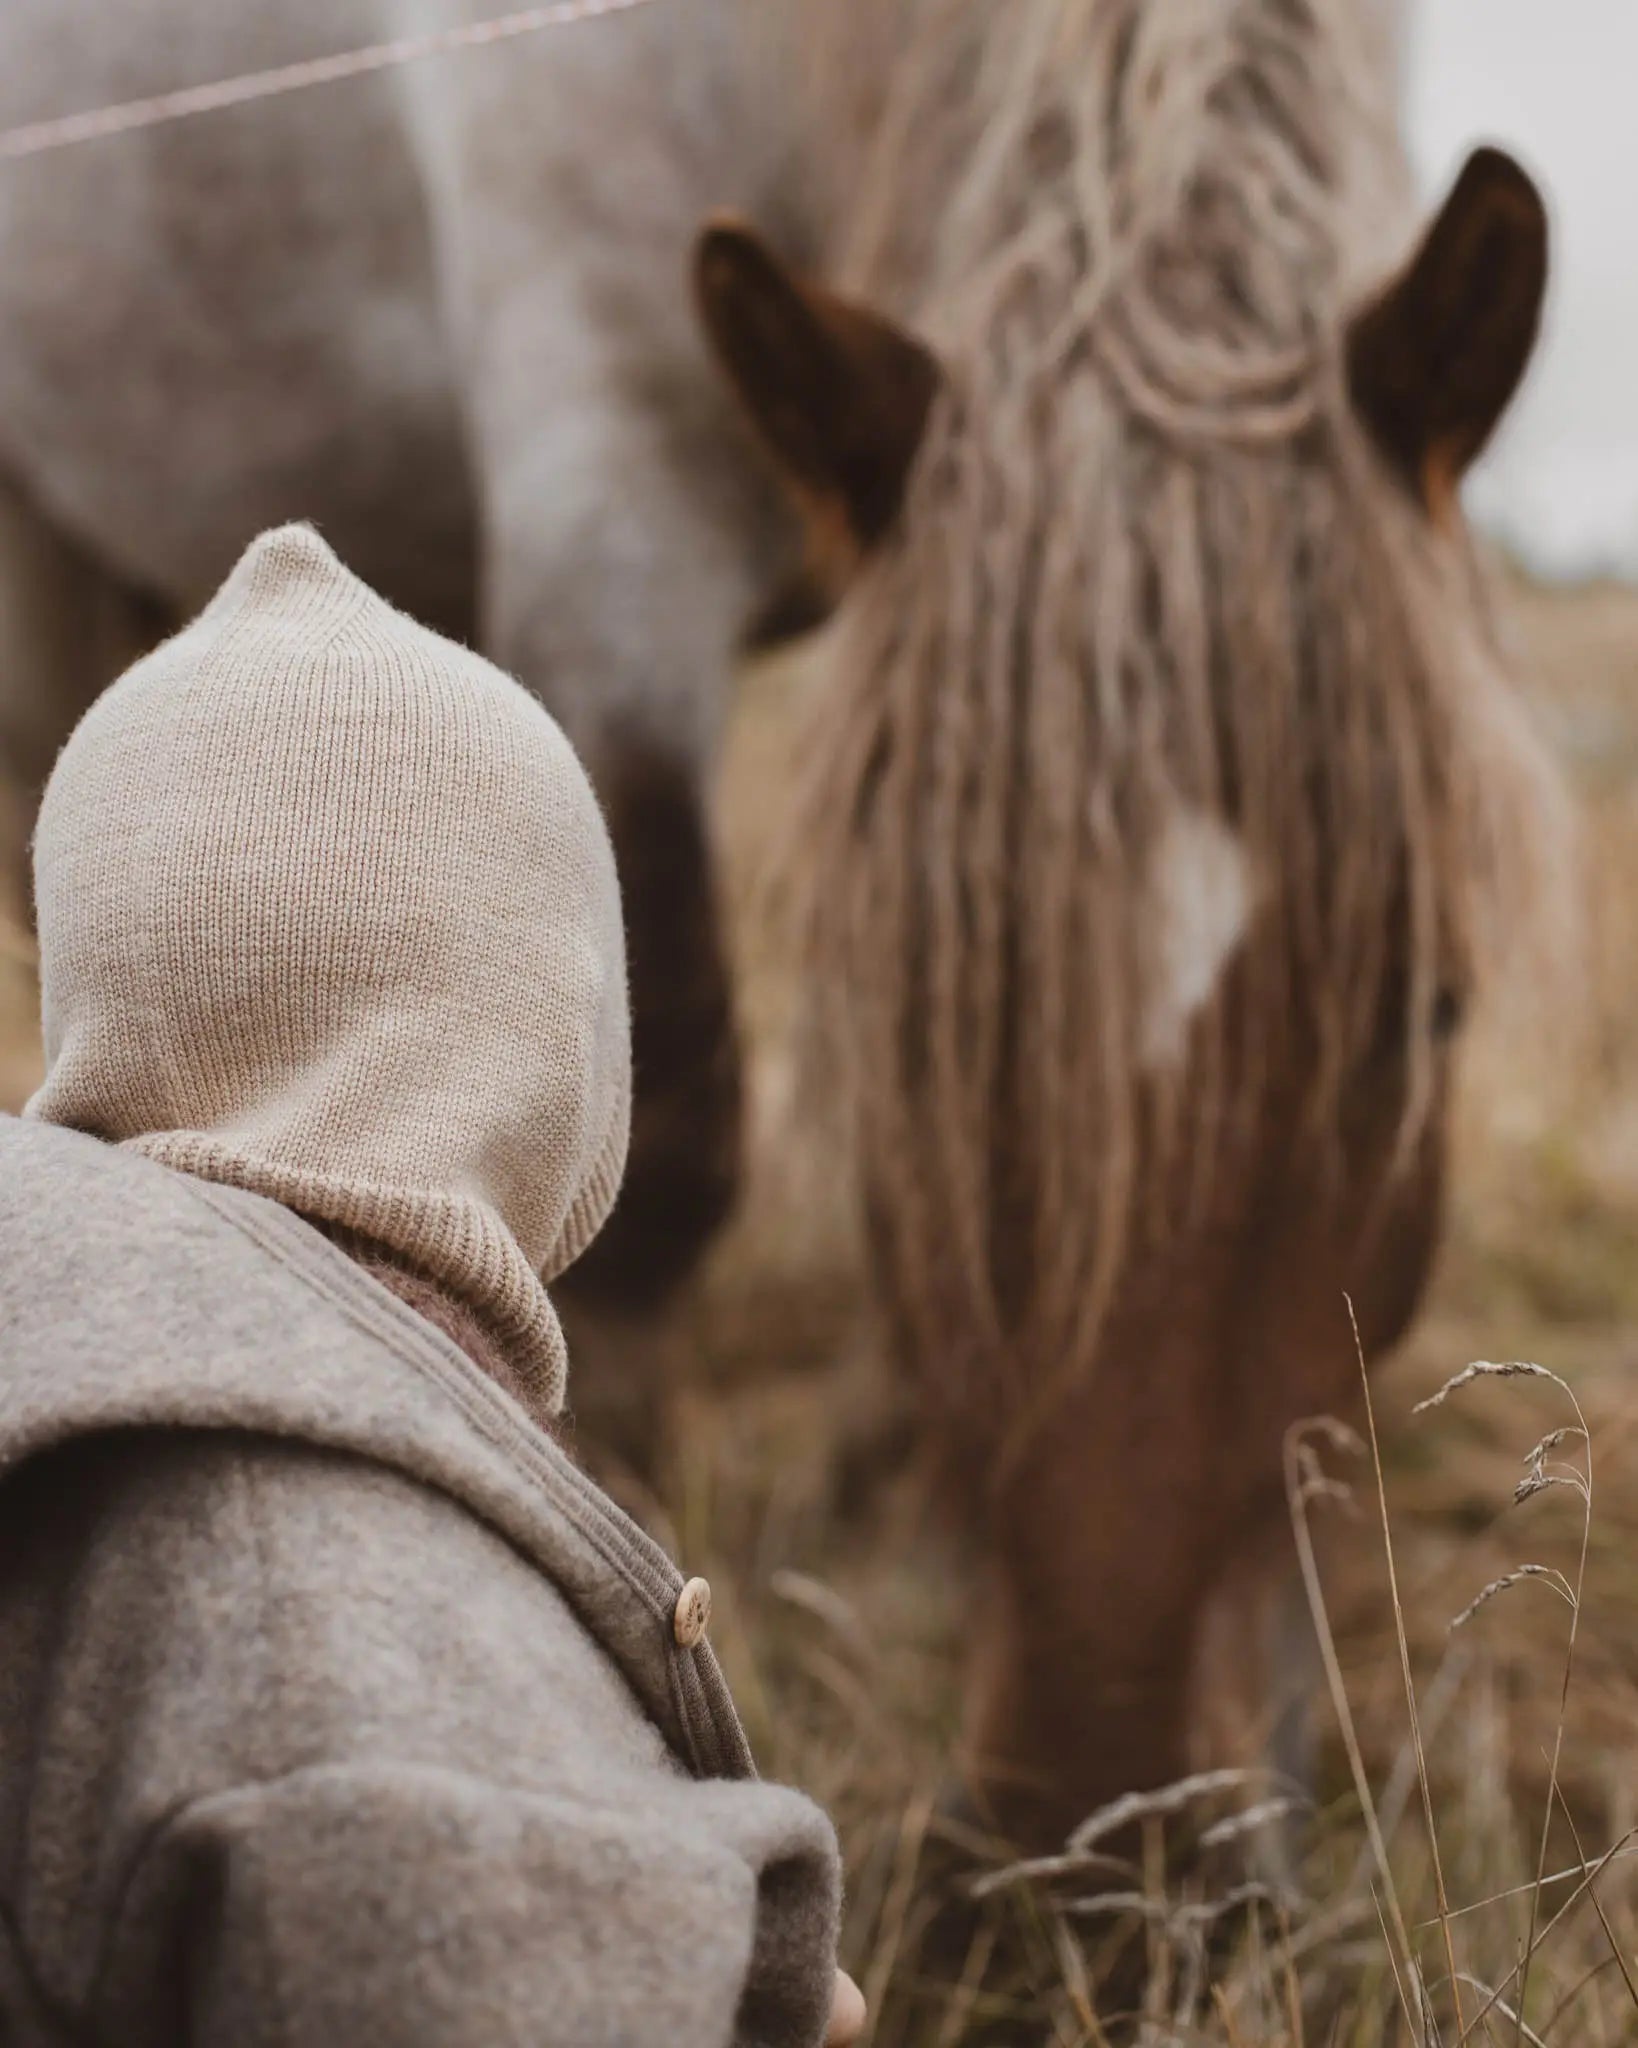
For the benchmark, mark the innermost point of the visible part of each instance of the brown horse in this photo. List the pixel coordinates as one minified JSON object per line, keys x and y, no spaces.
{"x":1158,"y":802}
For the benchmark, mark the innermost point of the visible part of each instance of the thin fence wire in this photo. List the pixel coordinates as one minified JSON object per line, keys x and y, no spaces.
{"x":98,"y":124}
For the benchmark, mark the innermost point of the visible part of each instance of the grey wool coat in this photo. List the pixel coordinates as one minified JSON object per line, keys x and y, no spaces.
{"x":336,"y":1705}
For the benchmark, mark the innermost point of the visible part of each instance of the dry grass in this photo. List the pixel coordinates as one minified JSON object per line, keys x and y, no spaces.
{"x":839,"y":1606}
{"x":19,"y":1002}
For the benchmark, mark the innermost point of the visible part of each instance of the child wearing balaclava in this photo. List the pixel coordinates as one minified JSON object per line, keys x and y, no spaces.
{"x":336,"y":1705}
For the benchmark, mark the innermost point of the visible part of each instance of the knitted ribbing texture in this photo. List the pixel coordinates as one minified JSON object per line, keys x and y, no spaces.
{"x":327,"y":910}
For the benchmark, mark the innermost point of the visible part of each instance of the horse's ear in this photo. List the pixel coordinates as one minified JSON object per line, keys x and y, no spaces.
{"x":1433,"y":362}
{"x":838,"y":395}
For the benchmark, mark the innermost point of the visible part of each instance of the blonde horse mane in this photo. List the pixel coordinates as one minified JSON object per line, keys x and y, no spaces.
{"x":1151,"y":581}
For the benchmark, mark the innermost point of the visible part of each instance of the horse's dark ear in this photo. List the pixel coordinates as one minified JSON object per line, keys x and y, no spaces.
{"x":1433,"y":362}
{"x":838,"y":395}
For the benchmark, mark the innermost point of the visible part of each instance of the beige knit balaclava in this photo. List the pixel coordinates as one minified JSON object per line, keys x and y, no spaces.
{"x":327,"y":910}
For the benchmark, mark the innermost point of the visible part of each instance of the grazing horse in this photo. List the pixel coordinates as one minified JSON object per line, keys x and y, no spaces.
{"x":1158,"y":803}
{"x":1153,"y":806}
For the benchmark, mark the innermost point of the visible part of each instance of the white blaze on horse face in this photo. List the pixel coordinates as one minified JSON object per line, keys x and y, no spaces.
{"x":1196,"y":912}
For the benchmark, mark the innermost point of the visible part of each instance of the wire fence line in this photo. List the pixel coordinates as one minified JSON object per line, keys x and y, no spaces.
{"x":125,"y":117}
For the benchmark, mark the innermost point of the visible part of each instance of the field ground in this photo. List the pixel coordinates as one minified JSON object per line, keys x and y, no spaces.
{"x":838,"y":1611}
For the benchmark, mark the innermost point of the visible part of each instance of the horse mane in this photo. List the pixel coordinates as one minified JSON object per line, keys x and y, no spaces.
{"x":1156,"y":637}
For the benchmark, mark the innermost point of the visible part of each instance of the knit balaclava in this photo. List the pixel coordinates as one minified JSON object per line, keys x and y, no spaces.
{"x":327,"y":910}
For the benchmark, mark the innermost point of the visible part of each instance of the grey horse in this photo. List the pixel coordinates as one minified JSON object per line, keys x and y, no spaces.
{"x":443,"y":313}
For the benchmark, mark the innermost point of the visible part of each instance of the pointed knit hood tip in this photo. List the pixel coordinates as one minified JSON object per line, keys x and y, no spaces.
{"x":284,"y":573}
{"x":285,"y":555}
{"x":328,"y":910}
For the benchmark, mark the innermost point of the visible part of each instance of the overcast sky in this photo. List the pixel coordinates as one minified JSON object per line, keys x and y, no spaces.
{"x":1555,"y":81}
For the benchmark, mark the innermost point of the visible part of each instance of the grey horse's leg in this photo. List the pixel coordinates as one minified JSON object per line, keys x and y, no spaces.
{"x":687,"y":1109}
{"x":66,"y":629}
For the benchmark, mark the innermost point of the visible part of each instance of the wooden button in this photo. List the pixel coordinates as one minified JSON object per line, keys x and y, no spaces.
{"x":693,"y":1615}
